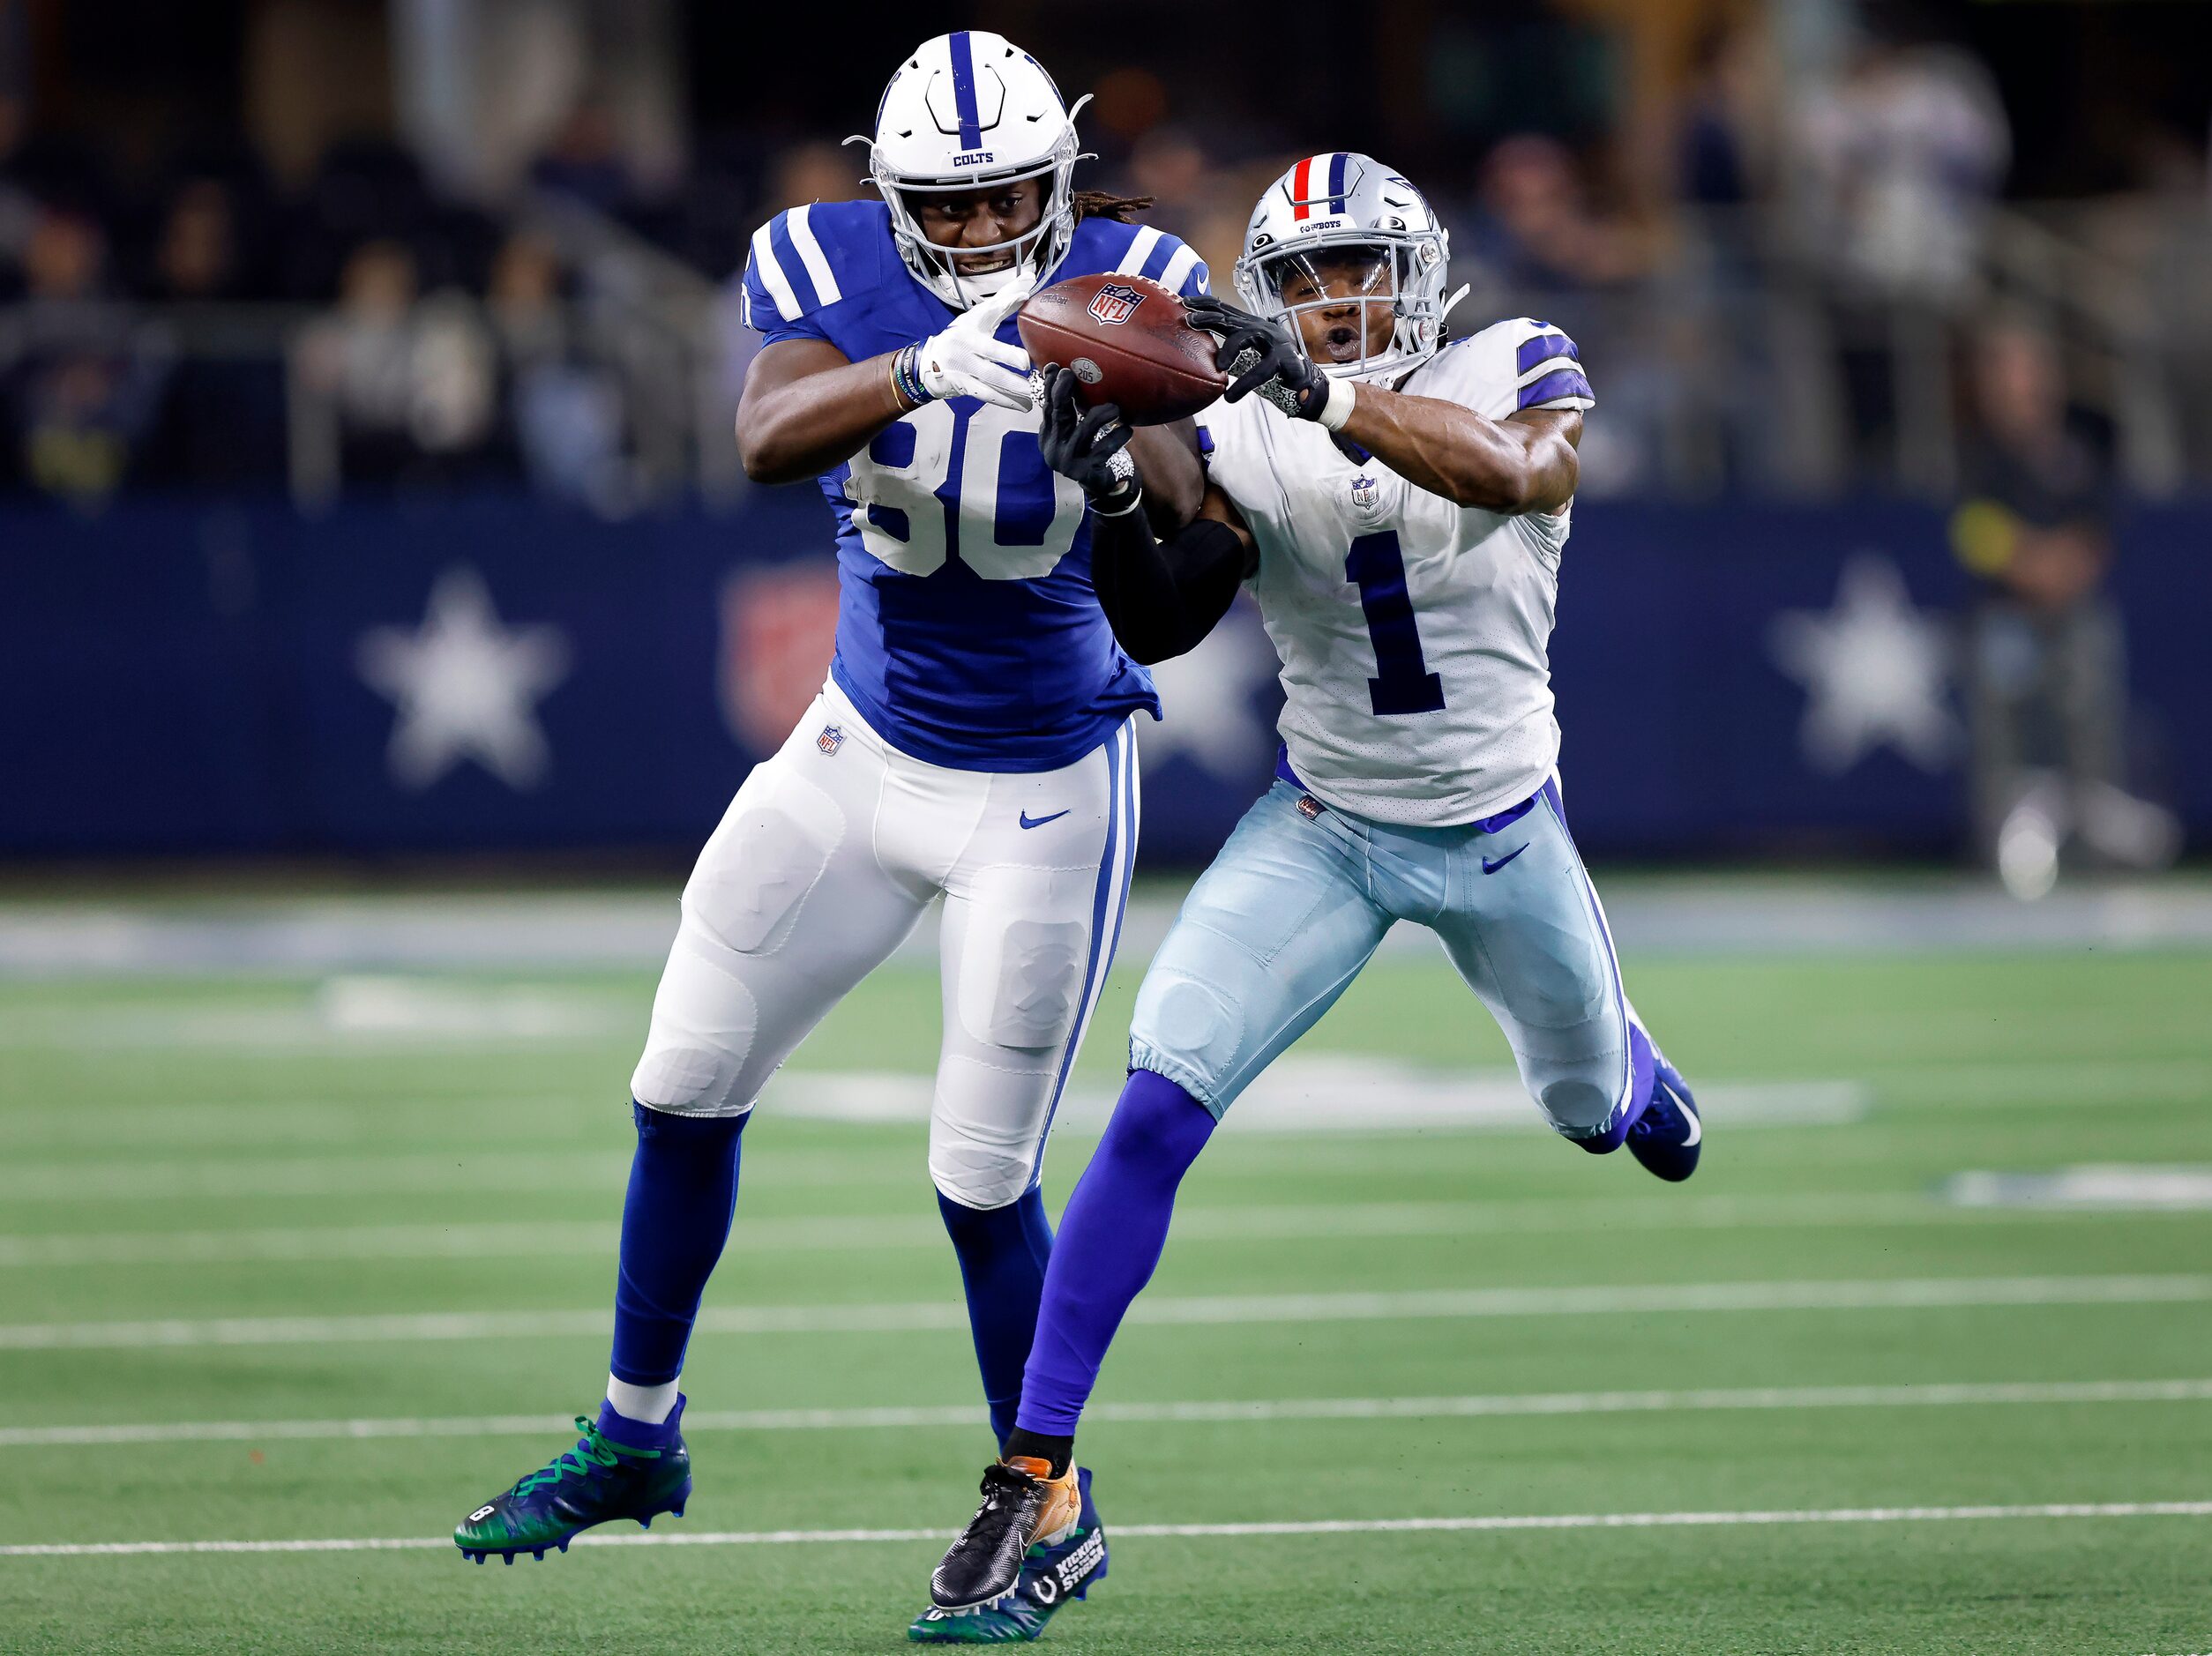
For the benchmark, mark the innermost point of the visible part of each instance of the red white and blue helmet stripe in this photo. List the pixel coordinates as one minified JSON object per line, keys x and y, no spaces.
{"x":1317,"y":179}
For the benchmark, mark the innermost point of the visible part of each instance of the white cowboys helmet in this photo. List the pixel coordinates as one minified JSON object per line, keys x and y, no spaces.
{"x":1336,"y":214}
{"x":965,"y":110}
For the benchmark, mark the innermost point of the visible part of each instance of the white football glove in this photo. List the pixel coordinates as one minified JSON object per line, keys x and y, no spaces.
{"x":966,"y":361}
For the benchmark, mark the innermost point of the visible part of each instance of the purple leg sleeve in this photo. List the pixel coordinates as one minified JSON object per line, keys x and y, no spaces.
{"x":1110,"y":1241}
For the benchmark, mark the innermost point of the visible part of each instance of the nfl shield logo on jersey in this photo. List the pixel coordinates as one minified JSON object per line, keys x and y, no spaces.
{"x":1365,"y":492}
{"x":1115,"y":302}
{"x":831,"y":739}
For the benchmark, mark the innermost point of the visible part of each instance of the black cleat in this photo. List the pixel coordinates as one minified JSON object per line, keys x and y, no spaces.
{"x":1022,"y":1507}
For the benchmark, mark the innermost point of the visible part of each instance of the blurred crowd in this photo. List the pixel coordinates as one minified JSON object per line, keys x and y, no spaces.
{"x":1779,"y":287}
{"x":360,"y":330}
{"x":165,"y":339}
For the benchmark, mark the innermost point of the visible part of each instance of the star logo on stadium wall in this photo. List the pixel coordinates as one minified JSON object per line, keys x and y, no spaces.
{"x":1874,"y":669}
{"x":465,"y":686}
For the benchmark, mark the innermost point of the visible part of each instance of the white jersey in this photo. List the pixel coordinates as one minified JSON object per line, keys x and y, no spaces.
{"x":1413,"y":632}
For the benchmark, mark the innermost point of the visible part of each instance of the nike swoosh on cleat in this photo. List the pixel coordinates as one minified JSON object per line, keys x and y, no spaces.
{"x":1039,"y":822}
{"x":1697,"y":1127}
{"x":1492,"y":867}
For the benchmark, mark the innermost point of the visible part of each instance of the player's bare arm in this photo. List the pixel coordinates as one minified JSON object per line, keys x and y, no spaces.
{"x":806,"y":410}
{"x":1160,"y":596}
{"x":1526,"y":462}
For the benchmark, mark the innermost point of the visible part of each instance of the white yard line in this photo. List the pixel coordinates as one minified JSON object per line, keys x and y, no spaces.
{"x":1607,"y":1299}
{"x":894,"y":1232}
{"x":1940,"y":1083}
{"x":1964,"y":1394}
{"x":474,"y":1168}
{"x":1319,"y":1526}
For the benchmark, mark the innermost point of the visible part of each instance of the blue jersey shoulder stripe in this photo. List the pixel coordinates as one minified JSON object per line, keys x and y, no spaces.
{"x":784,"y":251}
{"x":1138,"y":249}
{"x":811,"y":257}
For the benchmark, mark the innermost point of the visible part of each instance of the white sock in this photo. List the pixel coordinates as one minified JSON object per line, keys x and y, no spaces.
{"x":650,"y":1404}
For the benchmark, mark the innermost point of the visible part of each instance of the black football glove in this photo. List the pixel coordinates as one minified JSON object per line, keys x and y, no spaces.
{"x":1263,"y":356}
{"x":1085,"y":445}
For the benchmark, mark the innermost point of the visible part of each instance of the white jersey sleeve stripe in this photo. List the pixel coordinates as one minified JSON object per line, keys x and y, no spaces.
{"x":810,"y":255}
{"x":1132,"y":262}
{"x":771,"y":276}
{"x":1179,"y":269}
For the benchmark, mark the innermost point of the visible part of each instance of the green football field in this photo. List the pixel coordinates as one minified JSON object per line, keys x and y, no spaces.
{"x":302,"y":1269}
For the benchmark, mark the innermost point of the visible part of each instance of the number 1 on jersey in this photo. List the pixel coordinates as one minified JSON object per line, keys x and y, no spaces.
{"x":1402,"y":682}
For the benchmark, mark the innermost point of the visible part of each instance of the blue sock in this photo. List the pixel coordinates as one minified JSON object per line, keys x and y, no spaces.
{"x":683,"y":1191}
{"x":1002,"y":1252}
{"x":641,"y":1434}
{"x":1110,"y":1238}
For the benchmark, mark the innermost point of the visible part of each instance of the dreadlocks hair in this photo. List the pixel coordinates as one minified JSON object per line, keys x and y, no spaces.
{"x":1097,"y":203}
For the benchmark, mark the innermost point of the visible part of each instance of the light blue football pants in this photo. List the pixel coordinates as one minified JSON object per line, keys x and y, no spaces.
{"x":1299,"y":898}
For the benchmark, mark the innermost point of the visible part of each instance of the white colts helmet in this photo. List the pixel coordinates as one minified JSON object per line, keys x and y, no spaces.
{"x":1336,"y":209}
{"x":966,"y":110}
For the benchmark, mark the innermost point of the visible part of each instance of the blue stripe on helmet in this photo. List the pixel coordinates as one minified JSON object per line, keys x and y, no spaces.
{"x":1568,"y":382}
{"x":964,"y":92}
{"x":1336,"y":183}
{"x":1541,"y":350}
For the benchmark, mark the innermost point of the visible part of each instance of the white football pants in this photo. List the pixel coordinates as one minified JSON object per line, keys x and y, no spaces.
{"x":823,"y":864}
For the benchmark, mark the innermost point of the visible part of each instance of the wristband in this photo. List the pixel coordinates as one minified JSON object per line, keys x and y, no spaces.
{"x":1136,"y":498}
{"x":906,"y":377}
{"x":1336,"y":407}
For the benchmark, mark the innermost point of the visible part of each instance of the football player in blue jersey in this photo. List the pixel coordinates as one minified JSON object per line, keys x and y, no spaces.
{"x":973,"y":744}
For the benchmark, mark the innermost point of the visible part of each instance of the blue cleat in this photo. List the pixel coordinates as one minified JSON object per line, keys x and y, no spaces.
{"x":1667,"y":1136}
{"x":598,"y":1480}
{"x":1051,"y":1574}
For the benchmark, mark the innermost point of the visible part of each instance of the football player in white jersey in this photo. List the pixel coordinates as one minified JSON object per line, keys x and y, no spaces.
{"x":1398,"y":506}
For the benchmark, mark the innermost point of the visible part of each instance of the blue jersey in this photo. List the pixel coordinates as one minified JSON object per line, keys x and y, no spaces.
{"x":968,"y":631}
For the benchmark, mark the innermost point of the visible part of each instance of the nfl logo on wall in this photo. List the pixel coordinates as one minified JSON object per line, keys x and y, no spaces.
{"x":831,"y":739}
{"x":1115,"y":302}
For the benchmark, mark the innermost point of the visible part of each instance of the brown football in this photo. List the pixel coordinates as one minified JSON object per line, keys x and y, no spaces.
{"x":1129,"y":344}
